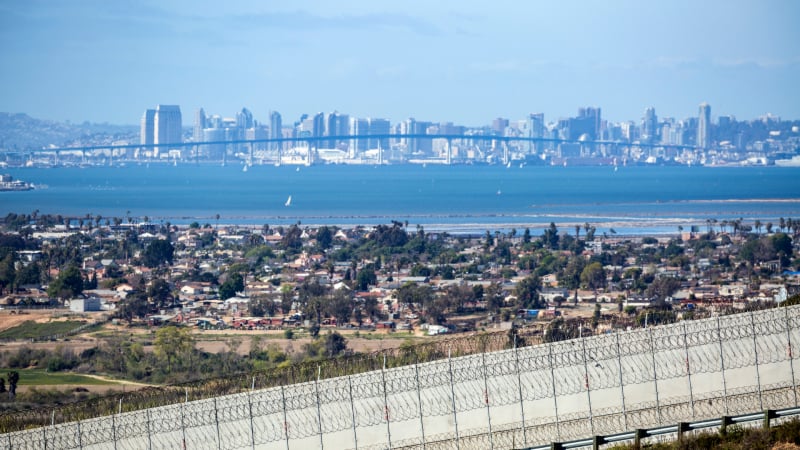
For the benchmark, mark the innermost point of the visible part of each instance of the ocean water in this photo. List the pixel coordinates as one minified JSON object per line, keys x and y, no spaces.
{"x":467,"y":199}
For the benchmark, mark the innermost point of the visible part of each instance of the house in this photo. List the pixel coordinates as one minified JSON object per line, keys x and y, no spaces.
{"x":734,"y":290}
{"x":550,"y":294}
{"x":84,"y":304}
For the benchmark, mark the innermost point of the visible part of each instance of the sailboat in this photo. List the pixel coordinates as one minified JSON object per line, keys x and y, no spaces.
{"x":288,"y":201}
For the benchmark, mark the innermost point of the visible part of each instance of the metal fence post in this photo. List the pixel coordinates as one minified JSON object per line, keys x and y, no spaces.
{"x":319,"y":409}
{"x":419,"y":401}
{"x":386,"y":402}
{"x":555,"y":396}
{"x":586,"y":382}
{"x":655,"y":374}
{"x":790,"y":352}
{"x":755,"y":353}
{"x":216,"y":422}
{"x":250,"y":412}
{"x":519,"y":386}
{"x":114,"y":429}
{"x":147,"y":424}
{"x":285,"y":418}
{"x":80,"y":438}
{"x":352,"y":410}
{"x":453,"y":398}
{"x":688,"y":368}
{"x":722,"y":366}
{"x":621,"y":383}
{"x":486,"y":398}
{"x":183,"y":415}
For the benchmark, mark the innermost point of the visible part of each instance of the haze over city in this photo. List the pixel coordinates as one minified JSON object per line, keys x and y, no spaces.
{"x":466,"y":62}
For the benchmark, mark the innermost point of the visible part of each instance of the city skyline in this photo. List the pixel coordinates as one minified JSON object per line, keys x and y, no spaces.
{"x":464,"y":62}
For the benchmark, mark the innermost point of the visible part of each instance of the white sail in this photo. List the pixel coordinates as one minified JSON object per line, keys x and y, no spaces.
{"x":289,"y":201}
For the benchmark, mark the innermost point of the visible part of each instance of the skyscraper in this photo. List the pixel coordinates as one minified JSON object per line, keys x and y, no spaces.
{"x":358,"y":127}
{"x":534,"y":129}
{"x":650,"y":125}
{"x":275,"y":128}
{"x":704,"y":126}
{"x":167,"y":125}
{"x":379,"y":127}
{"x":199,"y":125}
{"x":148,"y":127}
{"x":244,"y":119}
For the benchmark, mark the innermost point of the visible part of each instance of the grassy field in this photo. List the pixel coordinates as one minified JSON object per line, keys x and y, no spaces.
{"x":30,"y":329}
{"x":40,"y":377}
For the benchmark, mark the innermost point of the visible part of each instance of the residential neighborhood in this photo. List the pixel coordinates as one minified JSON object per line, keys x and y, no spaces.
{"x":388,"y":278}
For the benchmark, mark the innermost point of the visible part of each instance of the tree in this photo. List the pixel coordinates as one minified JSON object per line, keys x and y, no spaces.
{"x":157,"y":253}
{"x":233,"y":284}
{"x":324,"y":237}
{"x":13,"y":379}
{"x":550,"y":237}
{"x":366,"y":277}
{"x":596,"y":315}
{"x":663,"y":287}
{"x":593,"y":276}
{"x":340,"y":306}
{"x":527,"y":292}
{"x":526,"y":236}
{"x":172,"y":344}
{"x":292,"y":240}
{"x":134,"y":305}
{"x":159,"y":292}
{"x":261,"y":306}
{"x":68,"y":284}
{"x":2,"y":385}
{"x":7,"y":272}
{"x":335,"y":344}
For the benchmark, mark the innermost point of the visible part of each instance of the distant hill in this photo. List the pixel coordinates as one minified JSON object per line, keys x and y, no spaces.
{"x":19,"y":131}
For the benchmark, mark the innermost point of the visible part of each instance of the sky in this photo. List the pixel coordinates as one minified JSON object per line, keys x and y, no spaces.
{"x":464,"y":61}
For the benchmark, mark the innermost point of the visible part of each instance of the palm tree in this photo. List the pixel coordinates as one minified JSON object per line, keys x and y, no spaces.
{"x":757,"y":224}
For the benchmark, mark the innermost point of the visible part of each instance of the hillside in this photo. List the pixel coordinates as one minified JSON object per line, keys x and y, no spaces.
{"x":19,"y":131}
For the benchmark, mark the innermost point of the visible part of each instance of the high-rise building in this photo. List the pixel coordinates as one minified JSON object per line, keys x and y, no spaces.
{"x":244,"y":119}
{"x":649,"y":125}
{"x":534,"y":128}
{"x":336,"y":125}
{"x":379,"y":127}
{"x":148,"y":127}
{"x":275,"y":128}
{"x":499,"y":125}
{"x":358,"y":127}
{"x":704,"y":126}
{"x":591,"y":116}
{"x":318,"y":128}
{"x":199,"y":125}
{"x":167,"y":125}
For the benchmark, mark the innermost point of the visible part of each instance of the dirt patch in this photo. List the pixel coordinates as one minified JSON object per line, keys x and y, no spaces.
{"x":12,"y":318}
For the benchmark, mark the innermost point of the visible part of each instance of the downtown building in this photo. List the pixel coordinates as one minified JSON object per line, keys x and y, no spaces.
{"x":160,"y":127}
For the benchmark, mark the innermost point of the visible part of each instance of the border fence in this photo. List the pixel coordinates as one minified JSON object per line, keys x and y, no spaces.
{"x":488,"y":391}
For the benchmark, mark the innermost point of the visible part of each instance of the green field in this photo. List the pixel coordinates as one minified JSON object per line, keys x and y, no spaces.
{"x":32,"y":330}
{"x":40,"y":377}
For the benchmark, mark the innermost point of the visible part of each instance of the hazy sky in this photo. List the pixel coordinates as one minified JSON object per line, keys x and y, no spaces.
{"x":461,"y":61}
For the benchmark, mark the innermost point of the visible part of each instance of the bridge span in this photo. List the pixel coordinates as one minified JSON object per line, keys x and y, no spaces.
{"x":517,"y":397}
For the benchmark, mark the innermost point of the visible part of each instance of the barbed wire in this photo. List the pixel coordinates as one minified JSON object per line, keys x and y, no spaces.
{"x":450,"y":379}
